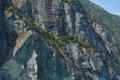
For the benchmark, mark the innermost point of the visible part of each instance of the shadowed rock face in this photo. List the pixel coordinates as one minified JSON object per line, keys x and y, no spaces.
{"x":79,"y":51}
{"x":3,"y":45}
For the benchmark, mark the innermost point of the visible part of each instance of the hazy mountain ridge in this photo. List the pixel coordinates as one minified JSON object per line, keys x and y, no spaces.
{"x":99,"y":15}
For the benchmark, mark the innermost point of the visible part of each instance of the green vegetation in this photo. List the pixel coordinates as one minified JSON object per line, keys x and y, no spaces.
{"x":118,"y":56}
{"x":69,"y":38}
{"x":108,"y":63}
{"x":112,"y":62}
{"x":85,"y":45}
{"x":35,"y":9}
{"x":10,"y":8}
{"x":30,"y":20}
{"x":115,"y":44}
{"x":82,"y":76}
{"x":94,"y":19}
{"x":95,"y":50}
{"x":71,"y":1}
{"x":65,"y":1}
{"x":51,"y":37}
{"x":98,"y":15}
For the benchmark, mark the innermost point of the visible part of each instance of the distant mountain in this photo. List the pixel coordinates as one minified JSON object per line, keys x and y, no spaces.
{"x":99,"y":15}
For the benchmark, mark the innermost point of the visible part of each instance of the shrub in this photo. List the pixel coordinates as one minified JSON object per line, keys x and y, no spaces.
{"x":69,"y":38}
{"x":65,"y":1}
{"x":10,"y":8}
{"x":83,"y":44}
{"x":51,"y":37}
{"x":115,"y":44}
{"x":35,"y":9}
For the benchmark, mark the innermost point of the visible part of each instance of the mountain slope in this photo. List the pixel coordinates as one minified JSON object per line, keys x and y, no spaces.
{"x":99,"y":15}
{"x":54,"y":40}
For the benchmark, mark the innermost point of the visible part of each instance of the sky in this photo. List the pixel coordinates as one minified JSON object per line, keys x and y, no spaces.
{"x":112,"y":6}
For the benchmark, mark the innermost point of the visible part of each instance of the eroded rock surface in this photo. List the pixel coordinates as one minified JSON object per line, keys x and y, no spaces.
{"x":54,"y":40}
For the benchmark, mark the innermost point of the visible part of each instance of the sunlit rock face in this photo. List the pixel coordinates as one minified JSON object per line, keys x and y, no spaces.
{"x":54,"y":40}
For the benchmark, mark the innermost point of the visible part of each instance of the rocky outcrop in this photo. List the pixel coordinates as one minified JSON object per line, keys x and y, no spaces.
{"x":54,"y":40}
{"x":104,"y":33}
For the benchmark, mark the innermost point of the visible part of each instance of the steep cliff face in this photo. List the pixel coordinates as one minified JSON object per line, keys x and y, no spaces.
{"x":54,"y":40}
{"x":3,"y":46}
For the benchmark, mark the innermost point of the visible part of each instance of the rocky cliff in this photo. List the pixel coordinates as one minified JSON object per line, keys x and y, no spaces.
{"x":54,"y":40}
{"x":2,"y":34}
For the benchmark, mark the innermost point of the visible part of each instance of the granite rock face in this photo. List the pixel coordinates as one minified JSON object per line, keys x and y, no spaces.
{"x":54,"y":40}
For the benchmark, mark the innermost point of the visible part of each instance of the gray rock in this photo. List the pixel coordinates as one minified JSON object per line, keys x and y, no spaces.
{"x":35,"y":55}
